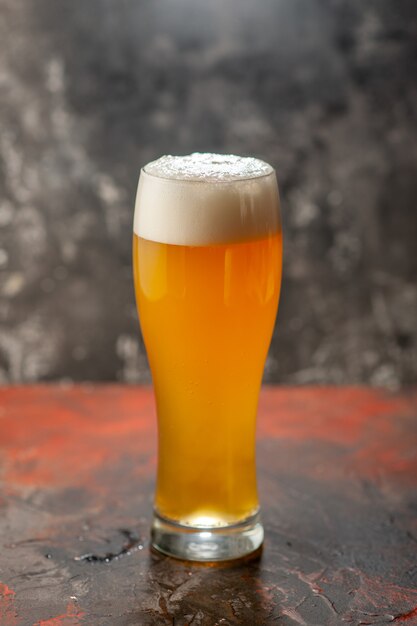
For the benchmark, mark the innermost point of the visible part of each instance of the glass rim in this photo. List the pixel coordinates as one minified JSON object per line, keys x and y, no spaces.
{"x":210,"y":182}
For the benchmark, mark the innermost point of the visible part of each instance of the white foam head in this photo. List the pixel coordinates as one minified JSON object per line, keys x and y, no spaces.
{"x":204,"y":199}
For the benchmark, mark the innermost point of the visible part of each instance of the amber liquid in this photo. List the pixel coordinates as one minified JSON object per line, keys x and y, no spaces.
{"x":207,"y":314}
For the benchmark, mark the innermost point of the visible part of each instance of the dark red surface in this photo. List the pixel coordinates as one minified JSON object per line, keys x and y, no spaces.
{"x":338,"y":482}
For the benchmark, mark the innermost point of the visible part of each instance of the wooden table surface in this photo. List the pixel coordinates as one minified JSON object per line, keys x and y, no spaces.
{"x":337,"y":475}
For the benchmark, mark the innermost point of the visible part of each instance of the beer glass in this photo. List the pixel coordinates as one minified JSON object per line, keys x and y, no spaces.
{"x":207,"y":255}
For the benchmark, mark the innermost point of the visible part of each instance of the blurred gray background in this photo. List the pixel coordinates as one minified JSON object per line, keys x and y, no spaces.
{"x":325,"y":90}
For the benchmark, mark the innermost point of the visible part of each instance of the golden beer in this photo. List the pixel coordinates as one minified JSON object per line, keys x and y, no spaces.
{"x":207,"y":294}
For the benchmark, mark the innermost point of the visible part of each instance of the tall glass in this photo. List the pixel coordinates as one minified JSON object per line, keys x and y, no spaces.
{"x":207,"y":255}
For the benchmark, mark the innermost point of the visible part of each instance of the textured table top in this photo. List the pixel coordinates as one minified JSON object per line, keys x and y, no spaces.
{"x":337,"y":474}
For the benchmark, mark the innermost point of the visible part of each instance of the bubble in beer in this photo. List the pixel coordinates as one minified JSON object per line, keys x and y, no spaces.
{"x":207,"y":167}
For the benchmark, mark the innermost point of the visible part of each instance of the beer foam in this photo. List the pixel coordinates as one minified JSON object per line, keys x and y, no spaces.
{"x":206,"y":167}
{"x":206,"y":199}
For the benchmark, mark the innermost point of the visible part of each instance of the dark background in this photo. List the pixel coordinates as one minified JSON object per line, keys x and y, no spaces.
{"x":325,"y":90}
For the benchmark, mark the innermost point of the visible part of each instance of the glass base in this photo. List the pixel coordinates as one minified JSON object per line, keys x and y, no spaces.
{"x":192,"y":543}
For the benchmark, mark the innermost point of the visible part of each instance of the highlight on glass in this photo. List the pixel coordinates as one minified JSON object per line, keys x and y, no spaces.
{"x":207,"y":256}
